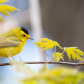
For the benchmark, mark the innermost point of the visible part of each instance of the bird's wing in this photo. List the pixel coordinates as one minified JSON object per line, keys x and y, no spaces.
{"x":9,"y":42}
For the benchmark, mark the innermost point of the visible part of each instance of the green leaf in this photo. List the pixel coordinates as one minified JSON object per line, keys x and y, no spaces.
{"x":47,"y":44}
{"x":60,"y":75}
{"x":44,"y":68}
{"x":74,"y":52}
{"x":1,"y":19}
{"x":4,"y":9}
{"x":57,"y":56}
{"x":2,"y":1}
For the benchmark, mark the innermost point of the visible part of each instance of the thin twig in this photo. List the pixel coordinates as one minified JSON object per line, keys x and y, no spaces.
{"x":78,"y":67}
{"x":47,"y":62}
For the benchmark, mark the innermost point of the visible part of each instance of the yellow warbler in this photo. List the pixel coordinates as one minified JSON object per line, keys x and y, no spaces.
{"x":12,"y":41}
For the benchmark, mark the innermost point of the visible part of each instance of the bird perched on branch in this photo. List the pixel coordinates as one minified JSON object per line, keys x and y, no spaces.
{"x":12,"y":41}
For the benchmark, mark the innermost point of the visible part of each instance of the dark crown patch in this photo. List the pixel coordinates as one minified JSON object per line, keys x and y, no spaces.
{"x":25,"y":30}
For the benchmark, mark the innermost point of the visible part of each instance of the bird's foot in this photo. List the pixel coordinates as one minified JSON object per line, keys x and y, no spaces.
{"x":11,"y":63}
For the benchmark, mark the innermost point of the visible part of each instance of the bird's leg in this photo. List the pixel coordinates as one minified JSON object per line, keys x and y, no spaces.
{"x":8,"y":58}
{"x":10,"y":61}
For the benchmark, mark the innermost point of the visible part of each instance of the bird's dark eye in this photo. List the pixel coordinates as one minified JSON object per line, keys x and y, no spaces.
{"x":23,"y":35}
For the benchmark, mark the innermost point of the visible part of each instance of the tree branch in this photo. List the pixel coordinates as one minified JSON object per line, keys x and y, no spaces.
{"x":47,"y":62}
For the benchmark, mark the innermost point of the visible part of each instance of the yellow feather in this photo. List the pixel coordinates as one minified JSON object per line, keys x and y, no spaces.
{"x":12,"y":42}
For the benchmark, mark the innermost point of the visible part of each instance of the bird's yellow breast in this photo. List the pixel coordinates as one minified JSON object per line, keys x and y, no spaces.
{"x":12,"y":41}
{"x":11,"y":51}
